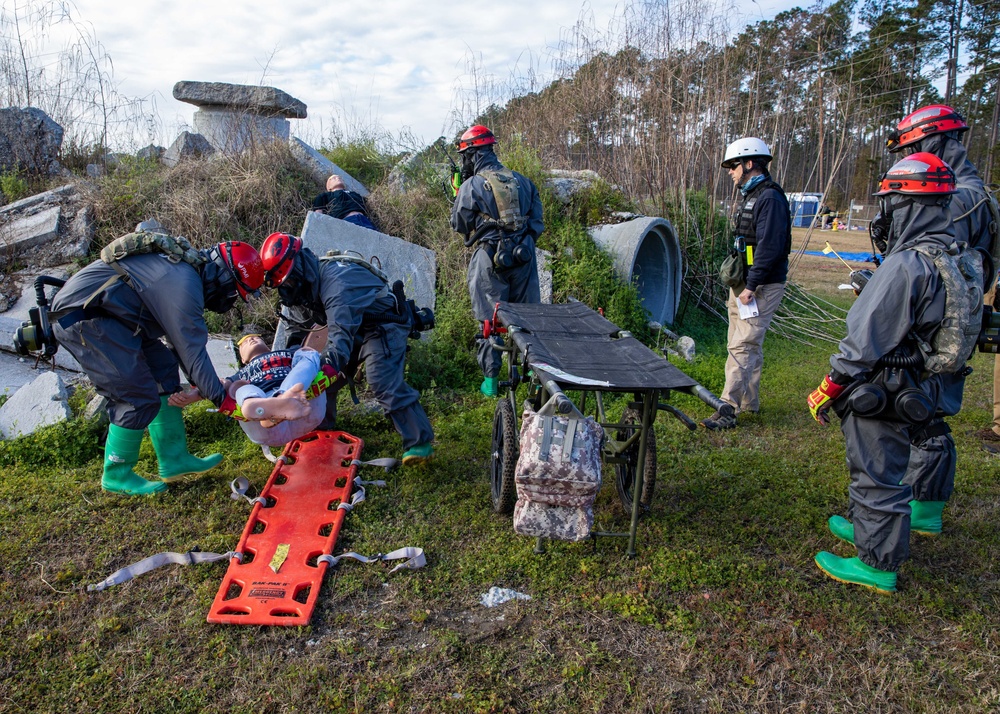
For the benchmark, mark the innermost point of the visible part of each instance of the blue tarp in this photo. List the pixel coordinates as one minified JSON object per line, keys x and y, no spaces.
{"x":858,"y":257}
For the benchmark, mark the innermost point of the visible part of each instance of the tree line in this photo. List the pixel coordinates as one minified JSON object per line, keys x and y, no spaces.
{"x":651,"y":103}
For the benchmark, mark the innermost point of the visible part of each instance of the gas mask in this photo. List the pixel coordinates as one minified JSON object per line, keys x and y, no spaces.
{"x":468,"y":164}
{"x":294,"y":291}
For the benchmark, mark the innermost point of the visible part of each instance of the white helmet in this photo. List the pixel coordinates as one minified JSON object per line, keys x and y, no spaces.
{"x":746,"y":148}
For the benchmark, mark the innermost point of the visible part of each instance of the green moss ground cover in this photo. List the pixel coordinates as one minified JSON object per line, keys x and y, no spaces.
{"x":722,"y":610}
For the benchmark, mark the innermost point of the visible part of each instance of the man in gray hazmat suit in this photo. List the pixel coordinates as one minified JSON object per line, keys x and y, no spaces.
{"x":937,"y":129}
{"x":113,"y":317}
{"x":500,"y":212}
{"x":891,"y":383}
{"x":364,"y":323}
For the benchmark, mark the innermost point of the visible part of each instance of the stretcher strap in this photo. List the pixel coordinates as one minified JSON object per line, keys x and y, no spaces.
{"x":356,"y":498}
{"x":238,"y":489}
{"x":155,"y":561}
{"x":386,"y":463}
{"x":415,"y":558}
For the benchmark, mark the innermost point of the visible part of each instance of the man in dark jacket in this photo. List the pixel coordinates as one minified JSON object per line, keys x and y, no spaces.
{"x":762,"y":230}
{"x":887,"y":382}
{"x":131,"y":336}
{"x":500,"y":212}
{"x":364,"y":324}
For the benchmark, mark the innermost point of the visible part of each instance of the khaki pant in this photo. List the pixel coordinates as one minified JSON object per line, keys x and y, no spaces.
{"x":746,"y":347}
{"x":989,"y":299}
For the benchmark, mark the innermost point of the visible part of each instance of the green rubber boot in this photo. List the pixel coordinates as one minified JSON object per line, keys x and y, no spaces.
{"x":842,"y":528}
{"x":121,"y":454}
{"x":170,"y":442}
{"x":925,"y":520}
{"x":419,"y":454}
{"x":490,"y":386}
{"x":852,"y":570}
{"x":925,"y":517}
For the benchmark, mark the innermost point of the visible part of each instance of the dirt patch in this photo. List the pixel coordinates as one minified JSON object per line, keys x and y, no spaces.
{"x":823,"y":274}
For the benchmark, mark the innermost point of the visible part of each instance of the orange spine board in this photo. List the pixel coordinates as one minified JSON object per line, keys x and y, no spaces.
{"x":279,"y":578}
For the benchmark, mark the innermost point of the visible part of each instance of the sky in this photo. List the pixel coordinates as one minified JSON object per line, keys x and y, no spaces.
{"x":398,"y":65}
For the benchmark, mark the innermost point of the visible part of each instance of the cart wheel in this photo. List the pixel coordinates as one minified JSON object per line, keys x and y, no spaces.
{"x":504,"y":457}
{"x":625,"y":473}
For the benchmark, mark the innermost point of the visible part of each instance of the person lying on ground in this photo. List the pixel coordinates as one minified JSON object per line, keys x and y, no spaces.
{"x":340,"y":203}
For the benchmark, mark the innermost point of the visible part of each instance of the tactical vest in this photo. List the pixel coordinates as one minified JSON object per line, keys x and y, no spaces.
{"x":745,"y":230}
{"x":505,"y":189}
{"x":961,"y":271}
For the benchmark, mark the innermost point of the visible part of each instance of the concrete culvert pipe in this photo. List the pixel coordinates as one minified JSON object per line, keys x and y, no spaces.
{"x":646,"y":252}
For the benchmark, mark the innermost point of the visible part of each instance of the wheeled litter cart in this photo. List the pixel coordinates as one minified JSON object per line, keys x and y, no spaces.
{"x":552,"y":349}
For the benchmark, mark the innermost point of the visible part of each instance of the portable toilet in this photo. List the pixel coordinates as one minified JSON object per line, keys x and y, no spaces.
{"x":804,"y":208}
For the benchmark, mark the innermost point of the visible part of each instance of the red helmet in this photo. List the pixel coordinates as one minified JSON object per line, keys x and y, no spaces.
{"x":474,"y":136}
{"x":243,"y":263}
{"x":278,"y":254}
{"x":932,"y":119}
{"x":921,"y":174}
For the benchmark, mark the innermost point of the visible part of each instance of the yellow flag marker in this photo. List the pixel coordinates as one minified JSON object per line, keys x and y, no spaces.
{"x":829,"y":249}
{"x":280,"y":556}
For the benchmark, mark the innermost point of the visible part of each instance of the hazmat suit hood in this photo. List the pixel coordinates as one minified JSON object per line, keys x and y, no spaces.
{"x":480,"y":159}
{"x":918,"y":219}
{"x":949,"y":149}
{"x":301,"y":286}
{"x":219,"y":286}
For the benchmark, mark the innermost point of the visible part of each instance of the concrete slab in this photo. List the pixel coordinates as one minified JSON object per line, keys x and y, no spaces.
{"x":399,"y":259}
{"x":30,"y":230}
{"x":321,"y":168}
{"x":223,"y":356}
{"x":42,"y":402}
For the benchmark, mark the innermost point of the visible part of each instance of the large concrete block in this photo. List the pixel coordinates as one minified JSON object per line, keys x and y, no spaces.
{"x":30,"y":140}
{"x":232,"y":132}
{"x":41,"y":403}
{"x":400,"y":259}
{"x":321,"y":168}
{"x":247,"y":98}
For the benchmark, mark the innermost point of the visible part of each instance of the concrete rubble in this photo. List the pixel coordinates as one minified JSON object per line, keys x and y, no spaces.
{"x":55,"y":227}
{"x":43,"y":402}
{"x":187,"y":146}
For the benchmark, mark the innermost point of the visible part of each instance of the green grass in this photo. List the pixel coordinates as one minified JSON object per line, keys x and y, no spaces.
{"x":722,"y":610}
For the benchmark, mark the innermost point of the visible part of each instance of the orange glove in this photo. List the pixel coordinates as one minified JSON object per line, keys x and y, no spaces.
{"x":819,"y":400}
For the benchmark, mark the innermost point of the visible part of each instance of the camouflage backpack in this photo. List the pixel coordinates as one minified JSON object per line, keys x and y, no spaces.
{"x":558,"y":475}
{"x":175,"y":248}
{"x":961,"y":270}
{"x":504,"y":187}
